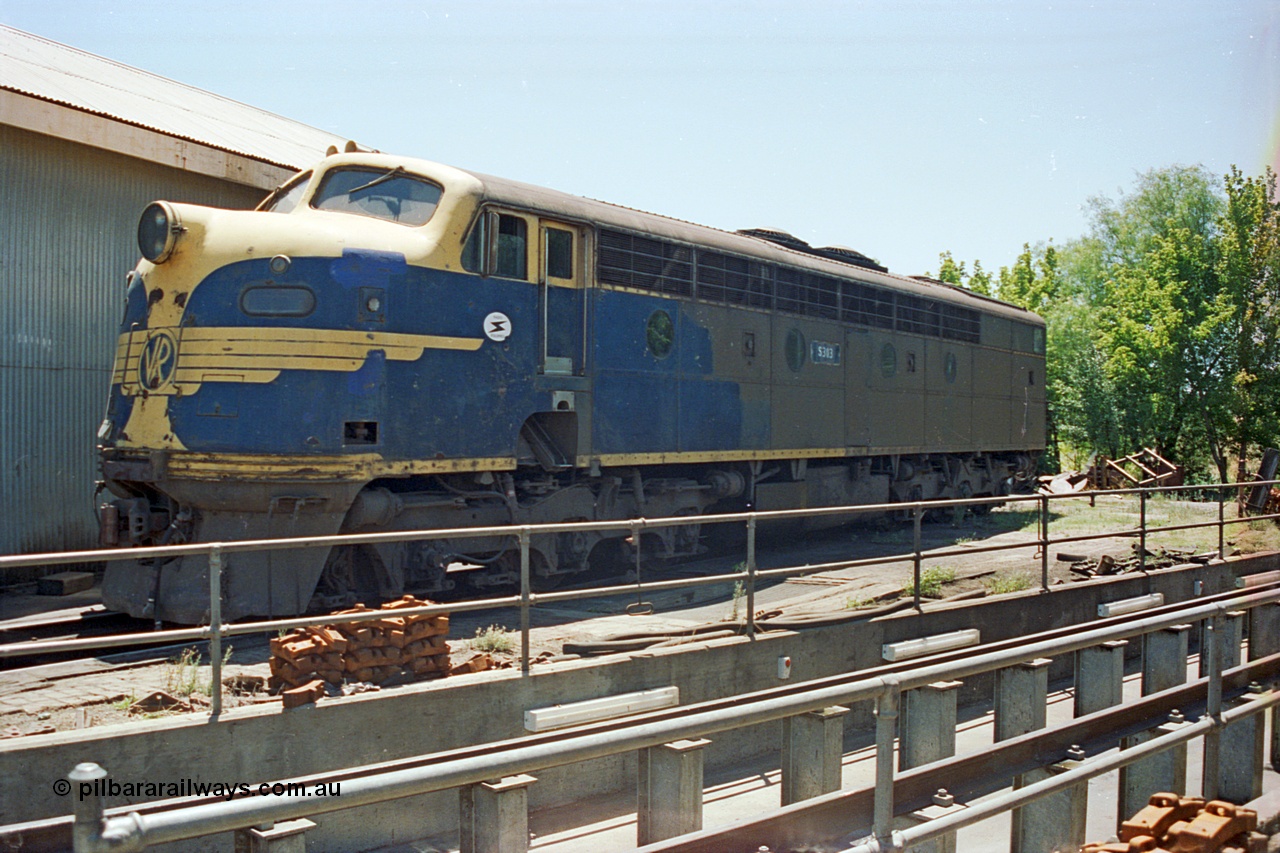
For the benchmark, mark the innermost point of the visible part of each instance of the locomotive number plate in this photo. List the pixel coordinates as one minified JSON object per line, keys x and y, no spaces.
{"x":821,"y":352}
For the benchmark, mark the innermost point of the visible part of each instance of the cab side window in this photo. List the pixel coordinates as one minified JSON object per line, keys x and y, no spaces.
{"x":559,"y":253}
{"x":512,"y":247}
{"x":497,"y":245}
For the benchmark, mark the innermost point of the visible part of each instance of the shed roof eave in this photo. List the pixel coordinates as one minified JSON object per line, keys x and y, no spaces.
{"x":63,"y":121}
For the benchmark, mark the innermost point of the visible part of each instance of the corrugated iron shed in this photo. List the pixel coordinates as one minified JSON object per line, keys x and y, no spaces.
{"x":44,"y":69}
{"x":85,"y":144}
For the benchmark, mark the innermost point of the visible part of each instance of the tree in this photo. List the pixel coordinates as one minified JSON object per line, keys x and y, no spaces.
{"x":1033,"y":281}
{"x":1245,"y":412}
{"x":952,"y":272}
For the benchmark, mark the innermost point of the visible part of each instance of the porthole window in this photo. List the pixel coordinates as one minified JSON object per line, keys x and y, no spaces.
{"x":888,"y":360}
{"x":949,"y":367}
{"x":795,"y":350}
{"x":660,"y":333}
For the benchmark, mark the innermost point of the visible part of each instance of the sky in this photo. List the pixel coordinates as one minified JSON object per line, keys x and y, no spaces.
{"x":900,"y":129}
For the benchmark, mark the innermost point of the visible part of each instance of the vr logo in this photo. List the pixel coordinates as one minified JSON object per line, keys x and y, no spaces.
{"x":158,"y":359}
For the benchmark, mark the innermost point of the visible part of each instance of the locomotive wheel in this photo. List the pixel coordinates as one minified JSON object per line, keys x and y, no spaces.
{"x":349,"y":577}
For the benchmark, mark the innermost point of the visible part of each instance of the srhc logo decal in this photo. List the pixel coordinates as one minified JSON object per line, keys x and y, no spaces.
{"x":158,"y":359}
{"x":497,"y":326}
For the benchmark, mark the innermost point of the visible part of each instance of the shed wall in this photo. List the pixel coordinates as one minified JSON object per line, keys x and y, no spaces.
{"x":68,"y":216}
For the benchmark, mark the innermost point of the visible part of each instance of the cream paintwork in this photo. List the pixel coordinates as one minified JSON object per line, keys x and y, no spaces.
{"x":258,"y":354}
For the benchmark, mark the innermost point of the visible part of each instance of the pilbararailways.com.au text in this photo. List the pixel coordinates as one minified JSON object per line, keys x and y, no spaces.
{"x":195,"y":788}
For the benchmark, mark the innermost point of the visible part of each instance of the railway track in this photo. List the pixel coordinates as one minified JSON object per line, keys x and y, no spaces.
{"x":90,"y":622}
{"x":971,"y":774}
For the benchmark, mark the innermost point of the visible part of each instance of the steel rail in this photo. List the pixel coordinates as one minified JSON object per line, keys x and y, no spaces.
{"x":912,"y":788}
{"x":904,"y":838}
{"x":823,"y":819}
{"x":161,"y":827}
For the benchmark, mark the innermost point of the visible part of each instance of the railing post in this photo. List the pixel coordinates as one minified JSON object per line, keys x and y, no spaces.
{"x":215,"y":630}
{"x":751,"y":576}
{"x":1222,"y":523}
{"x":669,"y":790}
{"x":494,"y":816}
{"x":86,"y":827}
{"x":1021,"y":696}
{"x":1165,"y":771}
{"x":886,"y":730}
{"x":524,"y":599}
{"x":1164,"y":658}
{"x":915,"y":552}
{"x":1142,"y":530}
{"x":1242,"y":746}
{"x":1044,"y":543}
{"x":928,"y":724}
{"x":812,"y":746}
{"x":1099,"y":677}
{"x":1213,"y":706}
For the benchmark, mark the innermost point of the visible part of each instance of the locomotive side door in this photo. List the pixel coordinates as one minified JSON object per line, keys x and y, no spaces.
{"x":562,"y":308}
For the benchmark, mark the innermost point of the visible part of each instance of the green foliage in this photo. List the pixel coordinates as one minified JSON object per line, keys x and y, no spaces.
{"x":932,"y":580}
{"x":1000,"y":584}
{"x":952,"y":272}
{"x":1163,"y":321}
{"x":1034,"y":280}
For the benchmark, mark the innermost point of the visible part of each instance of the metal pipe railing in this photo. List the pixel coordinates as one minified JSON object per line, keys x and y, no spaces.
{"x":526,"y":599}
{"x":136,"y":831}
{"x":898,"y":840}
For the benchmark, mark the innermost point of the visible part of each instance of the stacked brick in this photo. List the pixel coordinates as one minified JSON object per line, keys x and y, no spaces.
{"x":377,"y":651}
{"x":1187,"y":825}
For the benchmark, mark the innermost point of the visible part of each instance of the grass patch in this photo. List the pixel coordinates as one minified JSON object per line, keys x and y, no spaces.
{"x":932,"y":580}
{"x":183,"y":674}
{"x":1000,"y":584}
{"x":1254,"y":537}
{"x":493,"y":639}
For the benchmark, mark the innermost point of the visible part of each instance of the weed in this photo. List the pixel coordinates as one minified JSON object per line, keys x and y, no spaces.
{"x":182,"y":674}
{"x":932,"y":580}
{"x":1000,"y":584}
{"x":858,"y":603}
{"x":124,"y":703}
{"x":492,"y":639}
{"x":739,"y":590}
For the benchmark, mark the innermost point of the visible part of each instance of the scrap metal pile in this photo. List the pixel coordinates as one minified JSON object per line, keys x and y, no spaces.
{"x":1173,"y":824}
{"x":1146,"y":468}
{"x":1161,"y":558}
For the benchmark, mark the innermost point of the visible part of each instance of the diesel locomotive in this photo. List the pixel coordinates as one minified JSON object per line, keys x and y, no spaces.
{"x":392,"y":344}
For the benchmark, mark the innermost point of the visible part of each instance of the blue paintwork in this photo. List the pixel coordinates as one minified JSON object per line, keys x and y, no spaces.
{"x":454,"y":404}
{"x":448,"y":404}
{"x":647,"y":404}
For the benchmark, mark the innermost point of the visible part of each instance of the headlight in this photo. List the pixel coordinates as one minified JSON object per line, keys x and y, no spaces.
{"x":158,"y":231}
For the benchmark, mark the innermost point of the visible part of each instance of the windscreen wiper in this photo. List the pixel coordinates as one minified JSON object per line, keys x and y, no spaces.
{"x":378,"y":180}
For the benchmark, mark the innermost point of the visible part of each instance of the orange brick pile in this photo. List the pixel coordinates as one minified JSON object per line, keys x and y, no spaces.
{"x":1186,"y":824}
{"x":374,"y":651}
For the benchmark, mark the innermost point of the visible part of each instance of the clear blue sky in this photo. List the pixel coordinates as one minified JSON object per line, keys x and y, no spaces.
{"x":898,"y":128}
